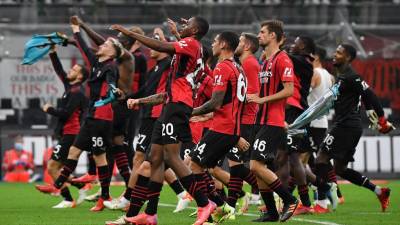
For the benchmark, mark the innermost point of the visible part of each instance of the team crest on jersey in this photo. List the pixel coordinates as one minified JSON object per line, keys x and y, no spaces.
{"x":264,"y":76}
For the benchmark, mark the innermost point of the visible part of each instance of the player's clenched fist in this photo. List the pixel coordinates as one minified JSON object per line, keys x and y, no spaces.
{"x":133,"y":104}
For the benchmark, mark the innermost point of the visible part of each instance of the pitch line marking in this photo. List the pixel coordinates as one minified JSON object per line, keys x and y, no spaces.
{"x":254,"y":215}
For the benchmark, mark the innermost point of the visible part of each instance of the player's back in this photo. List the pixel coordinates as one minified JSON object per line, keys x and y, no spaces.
{"x":319,"y":91}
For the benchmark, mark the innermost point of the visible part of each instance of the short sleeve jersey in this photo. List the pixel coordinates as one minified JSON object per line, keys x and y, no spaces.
{"x":251,"y":68}
{"x":185,"y":64}
{"x":229,"y":77}
{"x":275,"y":71}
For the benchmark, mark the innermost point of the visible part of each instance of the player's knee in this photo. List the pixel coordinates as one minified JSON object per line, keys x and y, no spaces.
{"x":74,"y":153}
{"x":118,"y":140}
{"x":322,"y":157}
{"x":254,"y":166}
{"x":195,"y":168}
{"x":339,"y":169}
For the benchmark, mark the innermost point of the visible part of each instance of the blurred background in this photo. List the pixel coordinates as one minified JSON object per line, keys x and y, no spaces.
{"x":372,"y":26}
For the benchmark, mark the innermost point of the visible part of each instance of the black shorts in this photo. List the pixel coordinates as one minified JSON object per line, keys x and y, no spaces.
{"x":340,"y":143}
{"x":186,"y":149}
{"x":61,"y":150}
{"x":144,"y":135}
{"x":294,"y":143}
{"x":246,"y":132}
{"x":212,"y":148}
{"x":121,"y":118}
{"x":266,"y":143}
{"x":315,"y":137}
{"x":173,"y":125}
{"x":95,"y":136}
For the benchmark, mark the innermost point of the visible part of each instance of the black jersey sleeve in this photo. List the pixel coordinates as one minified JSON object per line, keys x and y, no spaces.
{"x":74,"y":101}
{"x":58,"y":68}
{"x":87,"y":53}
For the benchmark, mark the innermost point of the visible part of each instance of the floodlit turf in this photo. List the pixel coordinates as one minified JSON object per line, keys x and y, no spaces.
{"x":22,"y":204}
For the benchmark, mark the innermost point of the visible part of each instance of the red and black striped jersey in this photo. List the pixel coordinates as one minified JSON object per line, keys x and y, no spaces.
{"x":275,"y":71}
{"x":186,"y":64}
{"x":229,"y":78}
{"x":102,"y":74}
{"x":72,"y":105}
{"x":156,"y":83}
{"x":251,"y":69}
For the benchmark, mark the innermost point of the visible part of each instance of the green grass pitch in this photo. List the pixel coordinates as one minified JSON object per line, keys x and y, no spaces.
{"x":21,"y":204}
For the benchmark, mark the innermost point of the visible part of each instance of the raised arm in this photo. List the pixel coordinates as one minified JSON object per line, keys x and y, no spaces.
{"x":96,"y":37}
{"x":149,"y":42}
{"x":58,"y":68}
{"x":87,"y":53}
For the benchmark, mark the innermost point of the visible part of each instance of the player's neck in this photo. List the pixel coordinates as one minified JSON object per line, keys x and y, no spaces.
{"x":225,"y":55}
{"x":104,"y":58}
{"x":342,"y":68}
{"x":244,"y":56}
{"x":271,"y":50}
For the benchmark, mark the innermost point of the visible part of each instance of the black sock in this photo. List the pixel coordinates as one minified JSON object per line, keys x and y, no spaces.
{"x":66,"y":171}
{"x":212,"y":190}
{"x":235,"y":185}
{"x":138,"y":196}
{"x":358,"y":179}
{"x":255,"y":191}
{"x":249,"y":177}
{"x":105,"y":179}
{"x":92,"y":165}
{"x":153,"y":197}
{"x":110,"y":161}
{"x":321,"y":172}
{"x":177,"y":187}
{"x":193,"y":188}
{"x":269,"y":200}
{"x":201,"y":183}
{"x":278,"y":188}
{"x":222,"y":194}
{"x":304,"y":197}
{"x":128,"y":192}
{"x":121,"y":160}
{"x":66,"y":194}
{"x":291,"y":184}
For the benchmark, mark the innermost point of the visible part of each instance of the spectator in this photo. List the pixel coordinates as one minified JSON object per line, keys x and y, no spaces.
{"x":17,"y":163}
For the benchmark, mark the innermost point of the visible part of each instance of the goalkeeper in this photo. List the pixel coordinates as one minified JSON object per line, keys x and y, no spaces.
{"x":341,"y":141}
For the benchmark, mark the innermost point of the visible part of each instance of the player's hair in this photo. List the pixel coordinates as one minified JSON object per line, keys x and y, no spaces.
{"x":230,"y":38}
{"x":136,"y":29}
{"x":202,"y":26}
{"x":275,"y":26}
{"x":84,"y":72}
{"x":350,"y":51}
{"x":321,"y":53}
{"x":253,"y":40}
{"x":309,"y":44}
